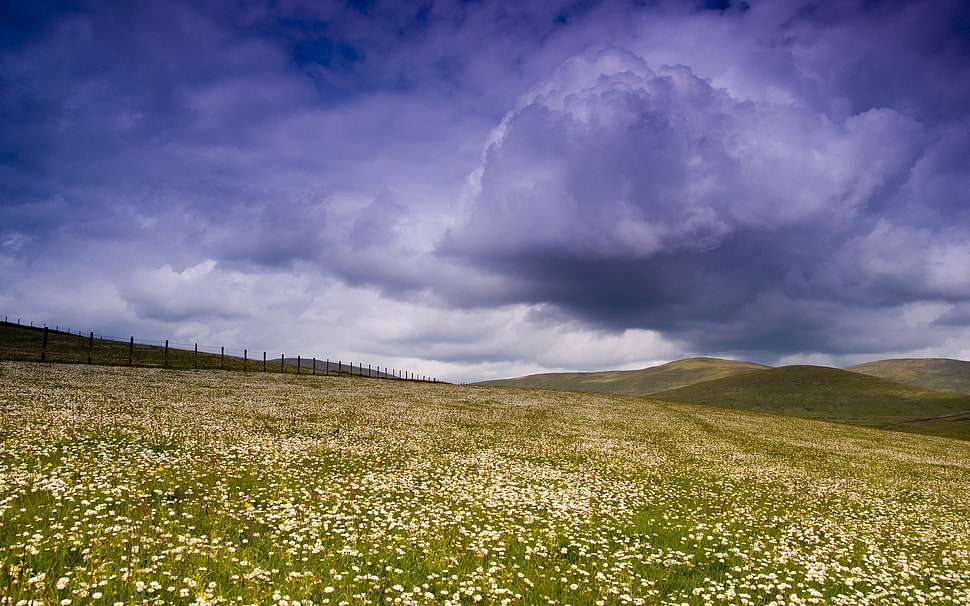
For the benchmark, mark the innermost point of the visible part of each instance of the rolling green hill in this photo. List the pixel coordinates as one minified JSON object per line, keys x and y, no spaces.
{"x":941,"y":374}
{"x":634,"y":382}
{"x":829,"y":394}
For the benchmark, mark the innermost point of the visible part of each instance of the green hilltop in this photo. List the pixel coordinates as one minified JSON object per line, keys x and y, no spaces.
{"x":643,"y":382}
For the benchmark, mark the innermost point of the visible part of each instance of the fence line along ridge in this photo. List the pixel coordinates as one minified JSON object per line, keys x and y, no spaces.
{"x":32,"y":343}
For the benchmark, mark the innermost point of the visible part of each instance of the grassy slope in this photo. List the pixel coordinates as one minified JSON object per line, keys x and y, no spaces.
{"x":236,"y":486}
{"x":941,"y":374}
{"x":634,"y":382}
{"x":26,"y":344}
{"x":832,"y":395}
{"x":950,"y":426}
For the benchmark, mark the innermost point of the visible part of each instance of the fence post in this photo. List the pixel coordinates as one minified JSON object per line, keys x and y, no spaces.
{"x":282,"y":362}
{"x":222,"y":358}
{"x":195,"y":362}
{"x":131,"y":349}
{"x":326,"y":369}
{"x":43,"y":351}
{"x":298,"y":365}
{"x":166,"y":353}
{"x":245,"y":359}
{"x":339,"y":367}
{"x":264,"y":361}
{"x":90,"y":347}
{"x":314,"y":365}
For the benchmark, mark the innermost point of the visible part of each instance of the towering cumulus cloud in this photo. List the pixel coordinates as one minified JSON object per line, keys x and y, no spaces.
{"x":647,"y":196}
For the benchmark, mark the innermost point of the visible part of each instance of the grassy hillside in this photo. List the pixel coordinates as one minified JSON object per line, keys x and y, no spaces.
{"x":949,"y":426}
{"x":940,"y":374}
{"x":634,"y":382}
{"x":831,"y":395}
{"x":145,"y":485}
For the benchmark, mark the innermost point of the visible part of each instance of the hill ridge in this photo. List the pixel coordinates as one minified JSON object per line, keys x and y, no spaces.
{"x":831,"y":394}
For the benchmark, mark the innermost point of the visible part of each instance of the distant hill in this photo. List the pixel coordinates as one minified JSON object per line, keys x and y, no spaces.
{"x":829,"y":394}
{"x":634,"y":382}
{"x":929,"y":396}
{"x":941,"y":374}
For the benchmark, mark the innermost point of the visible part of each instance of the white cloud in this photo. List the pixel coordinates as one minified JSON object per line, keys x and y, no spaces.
{"x":207,"y":291}
{"x":611,"y":157}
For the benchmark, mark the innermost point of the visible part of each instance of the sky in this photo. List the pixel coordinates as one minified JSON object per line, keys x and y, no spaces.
{"x":485,"y":188}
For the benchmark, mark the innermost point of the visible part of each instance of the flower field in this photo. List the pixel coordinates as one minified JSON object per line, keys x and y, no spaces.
{"x":152,"y":486}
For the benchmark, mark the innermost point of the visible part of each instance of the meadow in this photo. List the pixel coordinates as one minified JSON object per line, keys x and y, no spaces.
{"x":127,"y":485}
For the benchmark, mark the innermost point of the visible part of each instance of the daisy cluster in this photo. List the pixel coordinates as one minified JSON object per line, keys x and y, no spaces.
{"x":151,"y":486}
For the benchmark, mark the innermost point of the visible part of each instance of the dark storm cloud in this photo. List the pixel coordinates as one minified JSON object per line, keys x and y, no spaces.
{"x":789,"y":220}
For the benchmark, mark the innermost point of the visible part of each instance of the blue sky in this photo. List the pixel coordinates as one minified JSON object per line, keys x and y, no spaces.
{"x":486,"y":189}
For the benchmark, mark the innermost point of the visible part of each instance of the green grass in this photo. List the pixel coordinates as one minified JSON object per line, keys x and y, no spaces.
{"x":940,"y":374}
{"x":152,"y":486}
{"x":642,"y":382}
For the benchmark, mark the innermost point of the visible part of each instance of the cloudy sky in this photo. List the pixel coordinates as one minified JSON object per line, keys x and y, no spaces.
{"x":489,"y":188}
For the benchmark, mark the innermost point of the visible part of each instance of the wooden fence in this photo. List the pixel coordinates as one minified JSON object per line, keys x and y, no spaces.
{"x":44,"y":344}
